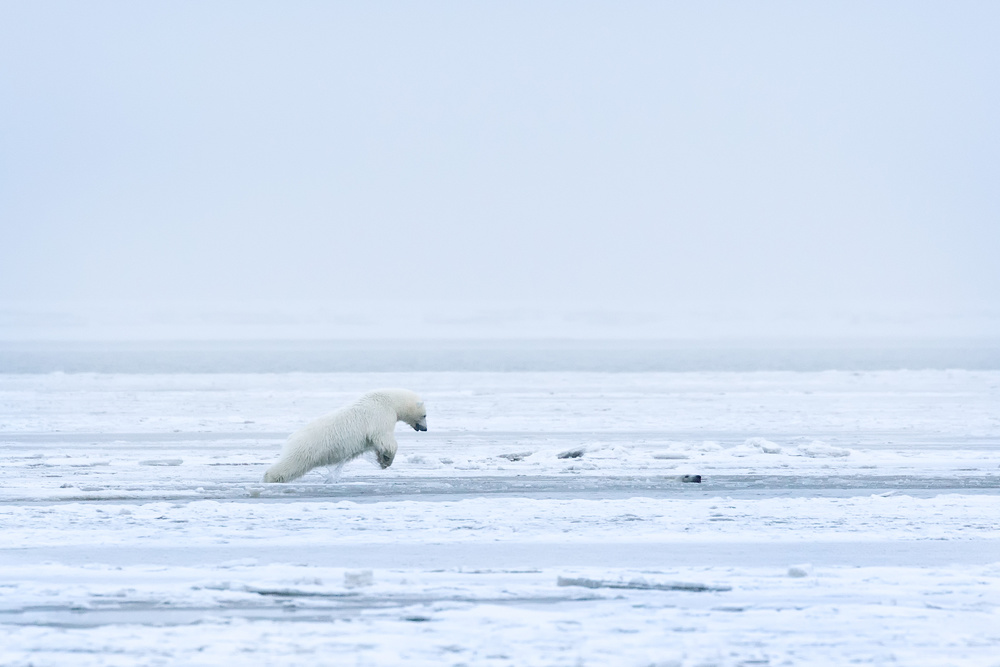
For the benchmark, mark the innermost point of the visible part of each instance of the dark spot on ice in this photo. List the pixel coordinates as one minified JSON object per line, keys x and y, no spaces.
{"x":694,"y":479}
{"x":417,"y":619}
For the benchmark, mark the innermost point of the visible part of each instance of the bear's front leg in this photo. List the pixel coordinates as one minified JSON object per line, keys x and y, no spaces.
{"x":385,"y":449}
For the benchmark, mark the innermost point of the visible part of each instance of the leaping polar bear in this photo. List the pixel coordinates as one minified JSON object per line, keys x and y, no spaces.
{"x":365,"y":425}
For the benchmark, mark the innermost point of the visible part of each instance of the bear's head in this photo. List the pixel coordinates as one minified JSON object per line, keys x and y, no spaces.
{"x":408,"y":406}
{"x":416,"y":416}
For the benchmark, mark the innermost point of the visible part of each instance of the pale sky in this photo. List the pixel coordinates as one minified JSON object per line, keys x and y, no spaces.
{"x":602,"y":153}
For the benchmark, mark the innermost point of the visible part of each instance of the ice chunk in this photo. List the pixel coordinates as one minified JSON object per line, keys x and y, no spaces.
{"x":763,"y":445}
{"x":571,"y":453}
{"x":818,"y":449}
{"x":358,"y":579}
{"x":640,"y":584}
{"x":517,"y":456}
{"x":755,"y":446}
{"x":799,"y":571}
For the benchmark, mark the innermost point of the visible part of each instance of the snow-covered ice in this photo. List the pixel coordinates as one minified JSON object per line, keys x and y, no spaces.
{"x":842,"y":517}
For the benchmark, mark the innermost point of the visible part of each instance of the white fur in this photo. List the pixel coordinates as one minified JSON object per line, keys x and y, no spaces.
{"x":365,"y":425}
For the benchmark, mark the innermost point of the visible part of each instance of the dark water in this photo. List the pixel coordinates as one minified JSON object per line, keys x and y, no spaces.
{"x":542,"y":355}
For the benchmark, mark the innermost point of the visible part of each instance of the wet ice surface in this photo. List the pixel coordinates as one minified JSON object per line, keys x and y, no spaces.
{"x":841,"y":517}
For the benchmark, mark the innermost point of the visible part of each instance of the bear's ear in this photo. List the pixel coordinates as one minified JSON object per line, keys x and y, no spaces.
{"x":420,"y":404}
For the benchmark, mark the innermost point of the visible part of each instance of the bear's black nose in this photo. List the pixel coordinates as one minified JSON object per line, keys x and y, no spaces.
{"x":419,"y":427}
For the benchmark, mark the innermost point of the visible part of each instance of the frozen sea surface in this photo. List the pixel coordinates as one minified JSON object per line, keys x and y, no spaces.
{"x":842,"y":517}
{"x":484,"y":354}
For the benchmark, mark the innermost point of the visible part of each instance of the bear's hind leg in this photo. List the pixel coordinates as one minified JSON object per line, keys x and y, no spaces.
{"x":287,"y":469}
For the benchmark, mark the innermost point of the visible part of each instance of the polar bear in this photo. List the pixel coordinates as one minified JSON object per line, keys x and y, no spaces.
{"x":367,"y":424}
